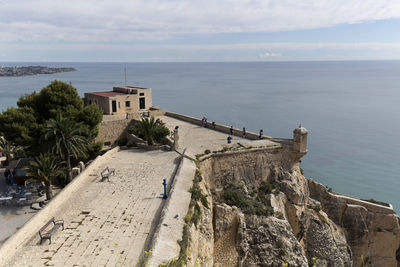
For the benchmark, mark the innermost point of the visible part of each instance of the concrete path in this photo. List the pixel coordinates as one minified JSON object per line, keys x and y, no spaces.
{"x":197,"y":139}
{"x":107,"y":224}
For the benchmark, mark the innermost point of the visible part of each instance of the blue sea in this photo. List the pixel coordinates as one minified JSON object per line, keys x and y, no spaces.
{"x":351,"y":108}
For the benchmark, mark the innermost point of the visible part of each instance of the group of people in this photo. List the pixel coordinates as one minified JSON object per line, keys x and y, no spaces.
{"x":204,"y":123}
{"x":229,"y":138}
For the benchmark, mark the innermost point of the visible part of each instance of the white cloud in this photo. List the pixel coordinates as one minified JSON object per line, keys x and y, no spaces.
{"x":282,"y":46}
{"x":269,"y":54}
{"x":128,"y":21}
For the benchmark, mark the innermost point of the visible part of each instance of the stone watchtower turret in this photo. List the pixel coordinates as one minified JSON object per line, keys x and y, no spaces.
{"x":300,"y":140}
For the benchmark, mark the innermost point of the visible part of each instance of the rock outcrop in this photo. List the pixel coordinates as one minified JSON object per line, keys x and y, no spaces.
{"x":268,"y":241}
{"x":372,"y":231}
{"x":266,"y":213}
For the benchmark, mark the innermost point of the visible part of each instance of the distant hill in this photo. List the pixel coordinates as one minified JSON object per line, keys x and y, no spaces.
{"x":30,"y":70}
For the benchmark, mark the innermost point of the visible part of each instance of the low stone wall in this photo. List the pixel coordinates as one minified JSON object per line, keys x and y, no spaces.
{"x":368,"y":205}
{"x":157,"y":112}
{"x":320,"y":193}
{"x":112,"y":130}
{"x":31,"y":228}
{"x":218,"y":127}
{"x":114,"y":127}
{"x":165,"y":245}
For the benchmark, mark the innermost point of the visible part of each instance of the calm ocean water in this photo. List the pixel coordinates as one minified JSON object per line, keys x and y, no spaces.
{"x":351,"y":109}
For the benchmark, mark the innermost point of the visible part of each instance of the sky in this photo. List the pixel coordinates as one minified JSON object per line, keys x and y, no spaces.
{"x":198,"y":30}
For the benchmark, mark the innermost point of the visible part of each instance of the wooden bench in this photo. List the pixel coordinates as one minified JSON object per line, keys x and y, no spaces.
{"x":105,"y":174}
{"x":47,"y":234}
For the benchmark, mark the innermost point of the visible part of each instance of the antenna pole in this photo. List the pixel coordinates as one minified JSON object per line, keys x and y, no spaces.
{"x":125,"y":74}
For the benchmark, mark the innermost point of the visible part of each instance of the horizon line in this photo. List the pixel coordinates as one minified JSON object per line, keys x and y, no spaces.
{"x":244,"y":61}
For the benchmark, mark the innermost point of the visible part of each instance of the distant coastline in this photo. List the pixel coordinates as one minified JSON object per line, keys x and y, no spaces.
{"x":30,"y":70}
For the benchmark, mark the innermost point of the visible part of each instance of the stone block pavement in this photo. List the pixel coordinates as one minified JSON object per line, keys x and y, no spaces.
{"x":196,"y":139}
{"x":107,"y":223}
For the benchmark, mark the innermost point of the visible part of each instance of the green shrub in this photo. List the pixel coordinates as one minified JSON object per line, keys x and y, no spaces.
{"x":196,"y":192}
{"x":197,"y":177}
{"x":131,"y":144}
{"x":207,"y":151}
{"x":277,"y":150}
{"x":317,"y":208}
{"x":122,"y":141}
{"x":188,"y":218}
{"x":196,"y":214}
{"x":282,"y":252}
{"x":254,"y":207}
{"x":93,"y":150}
{"x":233,"y":198}
{"x":61,"y":179}
{"x":266,"y":188}
{"x":204,"y":201}
{"x":248,"y":206}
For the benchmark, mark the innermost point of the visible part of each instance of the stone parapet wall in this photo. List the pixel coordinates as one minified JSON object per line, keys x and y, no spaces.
{"x":52,"y":209}
{"x":157,"y":112}
{"x":320,"y":193}
{"x":368,"y":205}
{"x":165,"y":245}
{"x":218,"y":126}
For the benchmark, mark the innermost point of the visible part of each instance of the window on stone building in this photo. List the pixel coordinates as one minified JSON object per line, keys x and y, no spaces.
{"x":127,"y":104}
{"x":141,"y":94}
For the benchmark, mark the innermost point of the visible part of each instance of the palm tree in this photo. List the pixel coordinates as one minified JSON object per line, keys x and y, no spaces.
{"x":150,"y":130}
{"x":10,"y":151}
{"x":65,"y":134}
{"x":43,"y":168}
{"x":146,"y":129}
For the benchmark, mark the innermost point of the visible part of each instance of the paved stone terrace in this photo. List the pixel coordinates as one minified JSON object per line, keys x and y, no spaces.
{"x":108,"y":222}
{"x":196,"y":139}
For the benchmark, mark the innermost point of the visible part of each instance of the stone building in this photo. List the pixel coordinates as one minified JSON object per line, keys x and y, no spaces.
{"x":121,"y":100}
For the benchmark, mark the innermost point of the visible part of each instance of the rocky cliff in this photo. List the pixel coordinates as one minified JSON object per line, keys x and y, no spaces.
{"x":261,"y":211}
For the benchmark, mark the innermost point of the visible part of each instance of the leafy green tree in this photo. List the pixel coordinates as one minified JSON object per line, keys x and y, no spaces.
{"x":24,"y":126}
{"x":66,"y":137}
{"x":44,"y":168}
{"x":19,"y":126}
{"x":56,"y":98}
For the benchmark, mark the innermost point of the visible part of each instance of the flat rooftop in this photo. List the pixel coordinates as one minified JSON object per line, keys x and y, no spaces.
{"x":109,"y":93}
{"x":130,"y":87}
